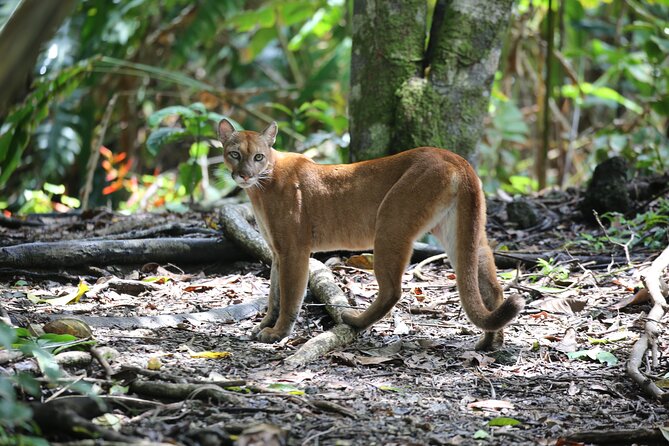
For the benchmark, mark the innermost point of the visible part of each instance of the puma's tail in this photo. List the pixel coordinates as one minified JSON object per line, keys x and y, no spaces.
{"x":470,"y":224}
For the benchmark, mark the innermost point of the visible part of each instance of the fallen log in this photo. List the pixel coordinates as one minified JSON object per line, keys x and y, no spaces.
{"x":109,"y":252}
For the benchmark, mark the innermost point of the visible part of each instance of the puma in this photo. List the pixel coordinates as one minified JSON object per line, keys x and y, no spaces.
{"x":386,"y":204}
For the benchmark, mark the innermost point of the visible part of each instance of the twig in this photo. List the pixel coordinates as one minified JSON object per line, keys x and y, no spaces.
{"x":417,"y":271}
{"x":97,"y":354}
{"x":625,"y":246}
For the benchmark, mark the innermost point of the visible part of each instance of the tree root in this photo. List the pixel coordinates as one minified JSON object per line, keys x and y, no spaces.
{"x":622,"y":437}
{"x":658,"y":291}
{"x":72,"y":415}
{"x":180,"y":392}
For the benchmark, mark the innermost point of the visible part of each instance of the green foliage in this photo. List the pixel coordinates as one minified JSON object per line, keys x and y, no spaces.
{"x":609,"y":95}
{"x":550,"y":269}
{"x":648,"y":230}
{"x":131,"y":58}
{"x":595,"y":354}
{"x":16,"y":425}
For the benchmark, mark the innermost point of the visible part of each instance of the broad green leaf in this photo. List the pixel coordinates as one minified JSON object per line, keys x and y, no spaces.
{"x":164,"y":135}
{"x":157,"y":117}
{"x":199,"y":149}
{"x":481,"y":435}
{"x":607,"y":358}
{"x":8,"y":335}
{"x":503,"y":421}
{"x":595,"y":354}
{"x":248,"y":20}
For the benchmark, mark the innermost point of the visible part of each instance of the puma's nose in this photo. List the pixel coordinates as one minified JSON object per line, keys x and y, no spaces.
{"x":245,"y":177}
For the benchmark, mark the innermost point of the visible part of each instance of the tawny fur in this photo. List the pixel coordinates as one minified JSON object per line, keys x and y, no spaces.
{"x":385,"y":204}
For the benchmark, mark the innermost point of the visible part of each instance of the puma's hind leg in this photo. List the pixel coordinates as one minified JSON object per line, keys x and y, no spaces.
{"x":491,"y":294}
{"x":389,"y":265}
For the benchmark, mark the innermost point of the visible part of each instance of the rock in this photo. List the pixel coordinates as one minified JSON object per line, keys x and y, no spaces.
{"x":522,"y":213}
{"x":607,"y":191}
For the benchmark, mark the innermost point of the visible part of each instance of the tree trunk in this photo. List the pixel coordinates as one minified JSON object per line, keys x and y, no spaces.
{"x":406,"y":94}
{"x":31,"y":24}
{"x":388,"y":45}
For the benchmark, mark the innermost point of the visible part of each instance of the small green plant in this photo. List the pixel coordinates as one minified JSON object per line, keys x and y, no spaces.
{"x":16,"y":426}
{"x":552,"y":270}
{"x":649,"y":230}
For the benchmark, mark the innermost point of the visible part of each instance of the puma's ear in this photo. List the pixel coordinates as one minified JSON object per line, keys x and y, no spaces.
{"x":225,"y":130}
{"x":270,"y":133}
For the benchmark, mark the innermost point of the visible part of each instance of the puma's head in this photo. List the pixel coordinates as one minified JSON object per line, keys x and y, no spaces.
{"x":247,"y":154}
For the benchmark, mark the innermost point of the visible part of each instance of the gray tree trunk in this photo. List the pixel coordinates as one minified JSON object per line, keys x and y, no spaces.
{"x":405,"y":93}
{"x":32,"y":23}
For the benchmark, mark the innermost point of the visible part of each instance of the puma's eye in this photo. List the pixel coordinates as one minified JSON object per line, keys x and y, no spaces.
{"x":234,"y":155}
{"x":259,"y":157}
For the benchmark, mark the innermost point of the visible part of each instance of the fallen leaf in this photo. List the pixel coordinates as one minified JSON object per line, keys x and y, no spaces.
{"x":75,"y":327}
{"x":640,"y":297}
{"x":284,"y":388}
{"x":477,"y":359}
{"x":503,"y":421}
{"x":568,"y":342}
{"x":401,"y":328}
{"x":481,"y":435}
{"x":373,"y":360}
{"x":211,"y":355}
{"x":362,"y":261}
{"x":418,"y":294}
{"x":662,"y":383}
{"x":611,"y":337}
{"x":387,"y":350}
{"x":597,"y":354}
{"x":262,"y":434}
{"x":565,"y":305}
{"x":387,"y":388}
{"x":490,"y":405}
{"x":156,"y":279}
{"x":154,"y":364}
{"x":74,"y":296}
{"x":540,"y":315}
{"x":344,"y":358}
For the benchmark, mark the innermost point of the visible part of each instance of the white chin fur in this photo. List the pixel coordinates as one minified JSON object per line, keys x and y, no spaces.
{"x":245,"y":184}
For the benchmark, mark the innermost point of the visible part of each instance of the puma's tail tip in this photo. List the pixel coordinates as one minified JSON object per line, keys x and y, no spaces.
{"x":515,"y":303}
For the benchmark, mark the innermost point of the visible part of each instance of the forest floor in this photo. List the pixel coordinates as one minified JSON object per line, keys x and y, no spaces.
{"x":412,"y":379}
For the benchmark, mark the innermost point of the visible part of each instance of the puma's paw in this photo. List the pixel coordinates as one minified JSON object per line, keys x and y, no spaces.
{"x":353,"y":318}
{"x":490,"y":341}
{"x":270,"y":335}
{"x":267,"y":321}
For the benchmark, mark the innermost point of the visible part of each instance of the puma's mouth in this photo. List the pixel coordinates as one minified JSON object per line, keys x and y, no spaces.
{"x":245,"y":184}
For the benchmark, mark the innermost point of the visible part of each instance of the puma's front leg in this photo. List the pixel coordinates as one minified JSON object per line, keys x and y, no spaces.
{"x":272,"y":300}
{"x":293,"y":274}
